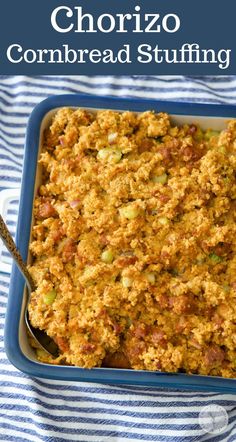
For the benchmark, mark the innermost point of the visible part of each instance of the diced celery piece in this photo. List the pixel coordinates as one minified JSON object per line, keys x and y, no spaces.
{"x":211,"y":133}
{"x":129,"y":212}
{"x":50,"y":297}
{"x":110,"y":155}
{"x":163,"y":220}
{"x":103,"y":154}
{"x":107,"y":256}
{"x":162,"y":179}
{"x":126,"y":282}
{"x":115,"y":156}
{"x":221,"y":149}
{"x":215,"y":259}
{"x":41,"y":354}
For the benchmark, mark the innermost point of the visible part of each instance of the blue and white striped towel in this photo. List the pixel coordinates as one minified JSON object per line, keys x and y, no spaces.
{"x":39,"y":410}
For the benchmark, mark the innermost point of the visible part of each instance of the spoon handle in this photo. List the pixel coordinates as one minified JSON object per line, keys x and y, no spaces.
{"x":11,"y":247}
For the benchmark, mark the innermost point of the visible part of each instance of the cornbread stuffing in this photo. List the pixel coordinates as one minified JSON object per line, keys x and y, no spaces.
{"x":134,"y":243}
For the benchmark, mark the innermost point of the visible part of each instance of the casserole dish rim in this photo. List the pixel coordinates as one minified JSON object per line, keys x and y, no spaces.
{"x":14,"y":307}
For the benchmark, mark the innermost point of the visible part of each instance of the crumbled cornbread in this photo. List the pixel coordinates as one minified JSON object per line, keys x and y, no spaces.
{"x":134,"y":243}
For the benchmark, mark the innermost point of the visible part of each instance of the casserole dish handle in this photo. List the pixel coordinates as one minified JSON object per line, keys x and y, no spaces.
{"x":6,"y":197}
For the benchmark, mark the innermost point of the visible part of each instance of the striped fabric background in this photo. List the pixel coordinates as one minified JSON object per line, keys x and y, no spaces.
{"x":52,"y":411}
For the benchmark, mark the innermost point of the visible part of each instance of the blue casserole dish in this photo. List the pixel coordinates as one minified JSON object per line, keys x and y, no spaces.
{"x":16,"y":343}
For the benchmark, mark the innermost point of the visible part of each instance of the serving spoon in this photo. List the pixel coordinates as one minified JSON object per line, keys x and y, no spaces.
{"x":42,"y":339}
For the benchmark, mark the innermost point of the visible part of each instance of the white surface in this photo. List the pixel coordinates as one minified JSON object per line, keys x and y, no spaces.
{"x":6,"y":196}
